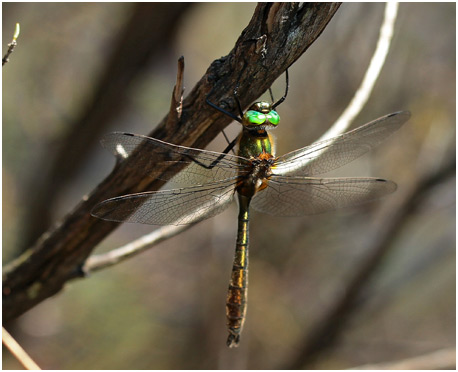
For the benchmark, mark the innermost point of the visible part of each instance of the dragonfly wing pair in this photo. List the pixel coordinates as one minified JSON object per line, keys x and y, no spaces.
{"x":207,"y":184}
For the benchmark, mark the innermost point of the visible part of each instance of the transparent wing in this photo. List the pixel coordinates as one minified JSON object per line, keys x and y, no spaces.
{"x":296,"y":196}
{"x":202,"y":166}
{"x":168,"y":207}
{"x":324,"y":156}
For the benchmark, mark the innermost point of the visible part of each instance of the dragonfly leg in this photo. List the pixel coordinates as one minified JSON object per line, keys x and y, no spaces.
{"x":236,"y":97}
{"x":234,"y":117}
{"x":229,"y":144}
{"x":271,"y":95}
{"x":217,"y":160}
{"x":220,"y":109}
{"x":286,"y":92}
{"x":226,"y":150}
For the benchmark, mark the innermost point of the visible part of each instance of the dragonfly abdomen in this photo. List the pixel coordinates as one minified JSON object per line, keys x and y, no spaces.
{"x":237,"y":292}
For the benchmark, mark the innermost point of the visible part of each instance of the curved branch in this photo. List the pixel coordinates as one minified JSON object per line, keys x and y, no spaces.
{"x":277,"y":35}
{"x":370,"y":78}
{"x":104,"y":260}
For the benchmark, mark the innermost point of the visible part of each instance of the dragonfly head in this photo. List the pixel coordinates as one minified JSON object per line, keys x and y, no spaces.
{"x":260,"y":116}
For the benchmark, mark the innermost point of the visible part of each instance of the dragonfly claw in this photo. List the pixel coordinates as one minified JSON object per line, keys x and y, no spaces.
{"x":233,"y":340}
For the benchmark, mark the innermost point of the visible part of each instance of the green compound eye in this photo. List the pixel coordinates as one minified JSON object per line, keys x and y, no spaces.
{"x":255,"y":117}
{"x":273,"y":117}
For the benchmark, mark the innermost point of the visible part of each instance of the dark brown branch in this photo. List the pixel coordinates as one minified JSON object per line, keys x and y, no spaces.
{"x":327,"y":331}
{"x":286,"y":31}
{"x":146,"y":35}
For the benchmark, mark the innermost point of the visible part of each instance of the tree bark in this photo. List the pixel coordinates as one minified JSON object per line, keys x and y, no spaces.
{"x":145,"y":36}
{"x":277,"y":35}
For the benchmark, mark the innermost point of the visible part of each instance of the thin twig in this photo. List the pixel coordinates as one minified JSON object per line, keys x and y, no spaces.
{"x":178,"y":91}
{"x":373,"y":71}
{"x":439,"y":359}
{"x":11,"y":45}
{"x":176,"y":103}
{"x":18,"y":351}
{"x":113,"y":257}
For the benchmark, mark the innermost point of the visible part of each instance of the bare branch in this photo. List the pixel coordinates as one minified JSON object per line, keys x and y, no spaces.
{"x":115,"y":256}
{"x":177,"y":98}
{"x":18,"y":352}
{"x":11,"y":45}
{"x":372,"y":73}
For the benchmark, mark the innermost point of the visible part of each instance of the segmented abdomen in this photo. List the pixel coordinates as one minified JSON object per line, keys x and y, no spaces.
{"x":237,"y":292}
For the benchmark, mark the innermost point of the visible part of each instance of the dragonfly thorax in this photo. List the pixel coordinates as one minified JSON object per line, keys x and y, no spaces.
{"x":256,"y":179}
{"x":260,"y":116}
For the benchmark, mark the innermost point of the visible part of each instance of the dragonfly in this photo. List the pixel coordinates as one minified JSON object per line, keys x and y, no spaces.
{"x":285,"y":185}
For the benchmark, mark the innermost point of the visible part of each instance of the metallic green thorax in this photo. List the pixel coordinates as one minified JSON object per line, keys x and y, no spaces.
{"x":253,"y":145}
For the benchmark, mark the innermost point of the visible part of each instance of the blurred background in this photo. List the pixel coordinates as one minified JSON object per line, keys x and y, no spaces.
{"x":165,"y":309}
